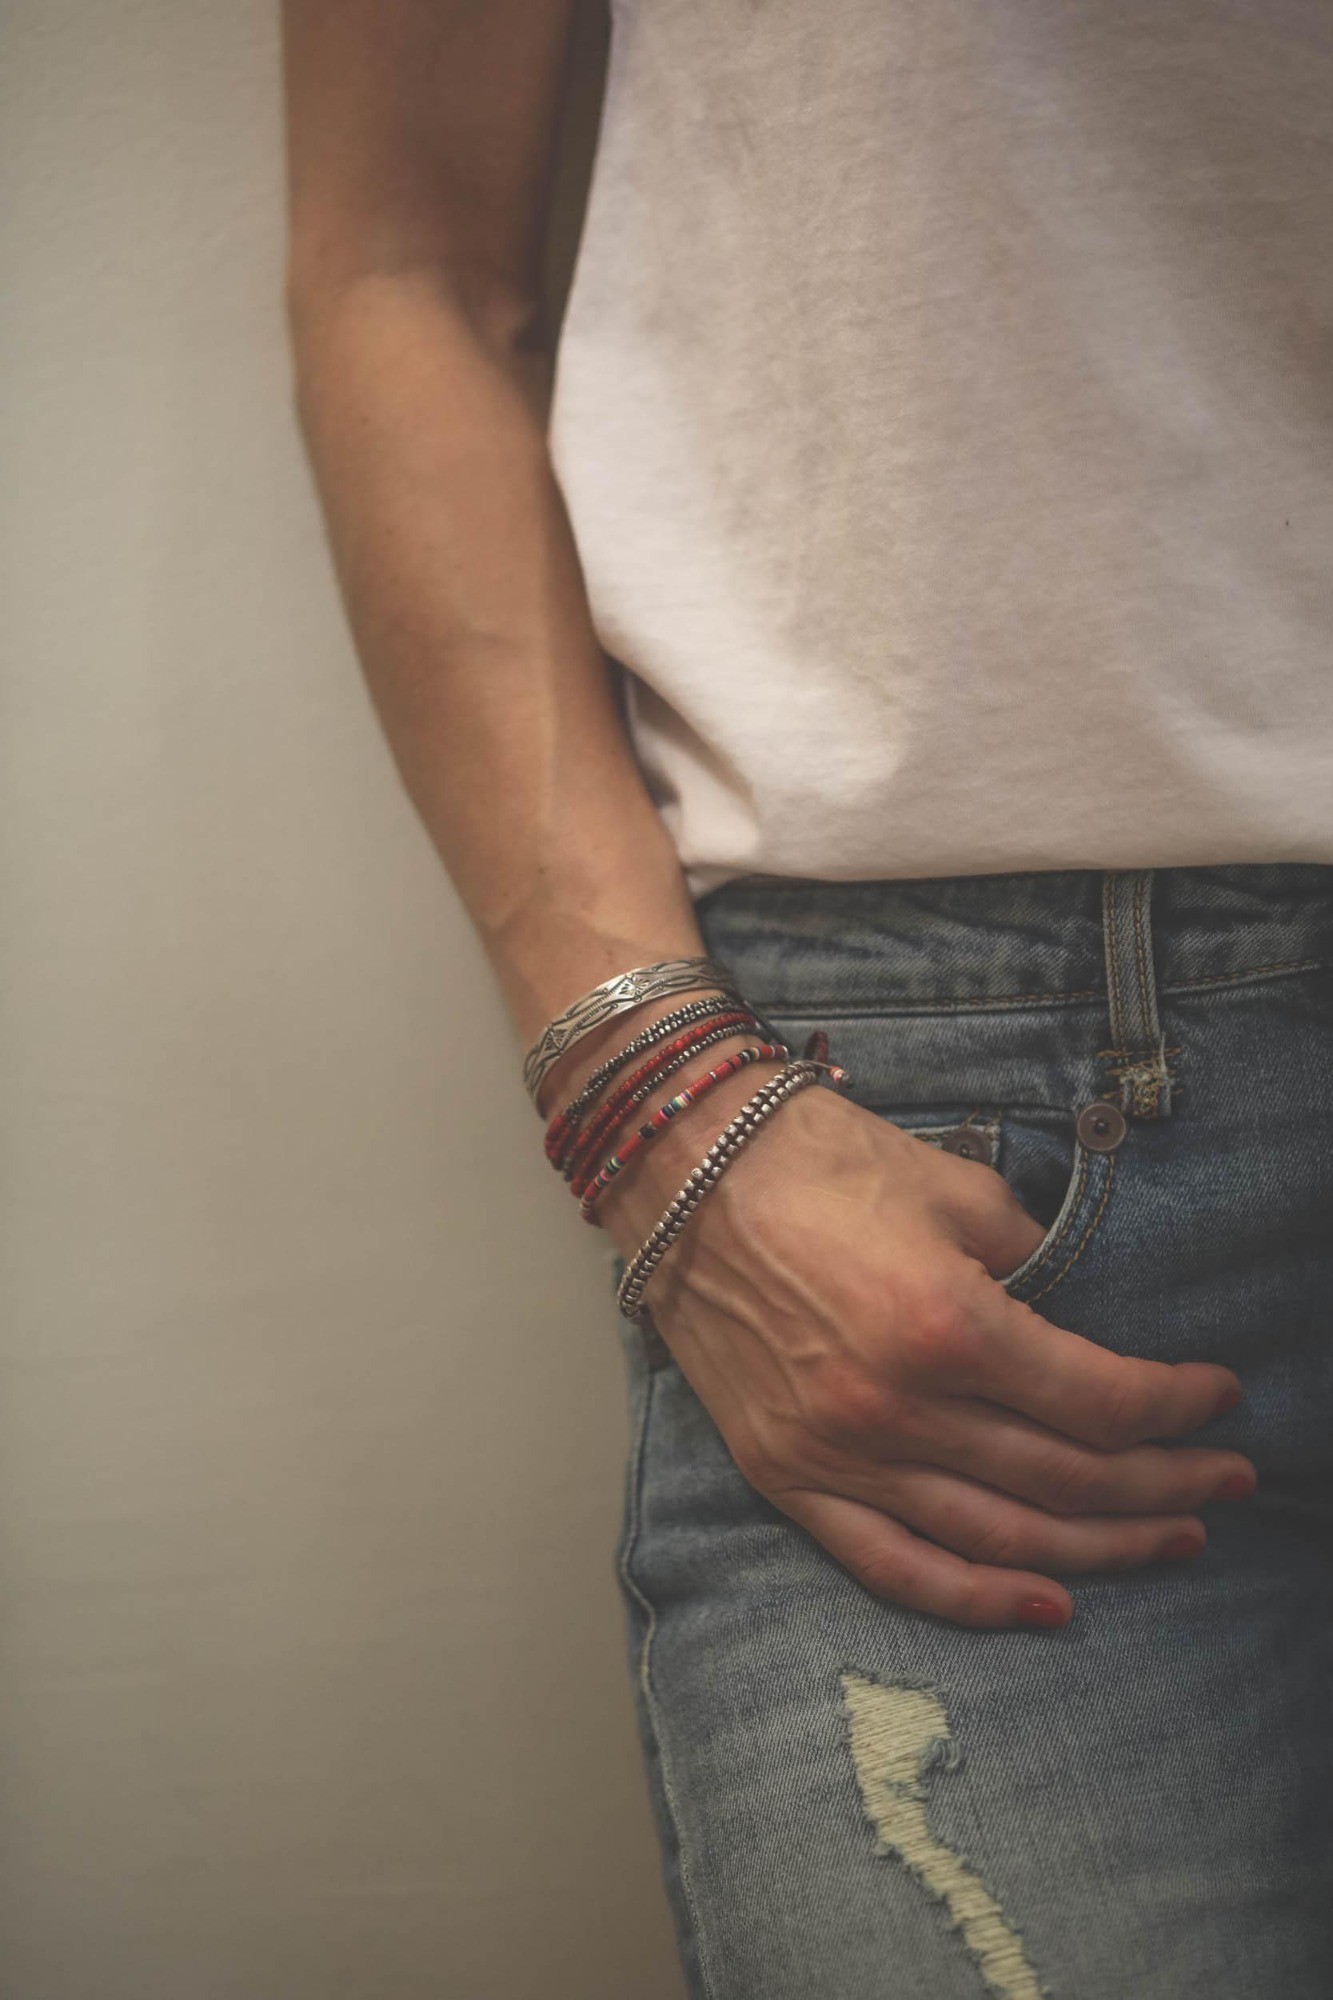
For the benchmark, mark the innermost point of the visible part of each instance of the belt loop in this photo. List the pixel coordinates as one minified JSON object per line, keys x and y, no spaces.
{"x":1138,"y":1055}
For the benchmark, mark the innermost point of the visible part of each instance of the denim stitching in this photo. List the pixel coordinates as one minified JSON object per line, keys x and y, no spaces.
{"x":1151,"y":1090}
{"x":1111,"y":915}
{"x":1251,"y":972}
{"x":1142,"y":946}
{"x":1054,"y":1243}
{"x":1088,"y":1234}
{"x":645,"y":1674}
{"x":1169,"y":1049}
{"x":801,"y":1007}
{"x":798,"y":1009}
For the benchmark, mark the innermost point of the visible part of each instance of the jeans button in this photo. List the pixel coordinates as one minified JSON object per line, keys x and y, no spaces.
{"x":968,"y":1143}
{"x":1101,"y":1126}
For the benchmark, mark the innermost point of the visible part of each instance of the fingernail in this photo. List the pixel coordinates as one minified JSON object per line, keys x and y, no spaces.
{"x":1236,"y":1486}
{"x":1228,"y":1399}
{"x":1040,"y":1611}
{"x":1179,"y":1547}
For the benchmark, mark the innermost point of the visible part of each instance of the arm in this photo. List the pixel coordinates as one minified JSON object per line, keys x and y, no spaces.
{"x":834,"y":1302}
{"x":420,"y":139}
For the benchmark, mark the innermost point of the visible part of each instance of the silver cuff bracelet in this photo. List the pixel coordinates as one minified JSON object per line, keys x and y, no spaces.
{"x":617,"y":996}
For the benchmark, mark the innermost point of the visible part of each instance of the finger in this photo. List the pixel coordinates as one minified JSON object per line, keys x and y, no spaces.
{"x":893,"y":1563}
{"x":1074,"y":1386}
{"x":992,"y":1223}
{"x":989,"y":1527}
{"x":1029,"y":1461}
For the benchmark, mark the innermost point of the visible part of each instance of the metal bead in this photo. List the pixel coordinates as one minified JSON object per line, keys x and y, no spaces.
{"x":770,"y":1096}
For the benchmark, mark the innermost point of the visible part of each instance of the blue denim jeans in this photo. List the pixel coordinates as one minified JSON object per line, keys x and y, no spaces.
{"x":856,"y":1800}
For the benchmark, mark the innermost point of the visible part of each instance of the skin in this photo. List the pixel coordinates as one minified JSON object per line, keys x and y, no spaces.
{"x":835,"y":1301}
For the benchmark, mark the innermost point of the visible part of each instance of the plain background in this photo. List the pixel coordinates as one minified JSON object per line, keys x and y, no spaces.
{"x":312,"y":1419}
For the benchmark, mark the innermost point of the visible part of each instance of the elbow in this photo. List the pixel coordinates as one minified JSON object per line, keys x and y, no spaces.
{"x":325,"y":309}
{"x":307,"y":307}
{"x":299,"y":402}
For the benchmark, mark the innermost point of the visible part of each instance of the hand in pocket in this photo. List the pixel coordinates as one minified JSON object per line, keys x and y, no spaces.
{"x":838,"y":1305}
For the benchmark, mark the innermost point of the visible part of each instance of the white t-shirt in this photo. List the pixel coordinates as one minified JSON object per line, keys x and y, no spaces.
{"x":944,"y":409}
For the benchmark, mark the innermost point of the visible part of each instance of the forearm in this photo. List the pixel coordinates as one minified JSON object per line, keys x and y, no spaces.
{"x":425,"y":421}
{"x":424,"y":418}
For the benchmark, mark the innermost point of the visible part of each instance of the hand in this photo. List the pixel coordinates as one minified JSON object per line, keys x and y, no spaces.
{"x":836,"y":1305}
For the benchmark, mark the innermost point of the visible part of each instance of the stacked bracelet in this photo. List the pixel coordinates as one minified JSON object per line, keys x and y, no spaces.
{"x":730,"y":1141}
{"x":668,"y":1043}
{"x":661,"y":1118}
{"x":662,"y":1063}
{"x":566,"y":1123}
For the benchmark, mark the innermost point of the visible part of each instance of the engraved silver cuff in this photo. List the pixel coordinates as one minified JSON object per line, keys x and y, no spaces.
{"x":617,"y":996}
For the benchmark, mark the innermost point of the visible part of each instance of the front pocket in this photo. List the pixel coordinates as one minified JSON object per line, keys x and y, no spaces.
{"x":1062,"y":1183}
{"x":1084,"y":1179}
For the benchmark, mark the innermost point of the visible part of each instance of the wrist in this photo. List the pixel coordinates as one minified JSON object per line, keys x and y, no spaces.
{"x":630,"y":1206}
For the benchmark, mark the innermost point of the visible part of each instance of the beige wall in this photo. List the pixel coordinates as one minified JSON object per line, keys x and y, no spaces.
{"x":311,"y":1423}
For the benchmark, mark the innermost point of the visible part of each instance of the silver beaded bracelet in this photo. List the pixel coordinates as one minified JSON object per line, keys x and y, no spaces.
{"x":794,"y":1076}
{"x":617,"y":996}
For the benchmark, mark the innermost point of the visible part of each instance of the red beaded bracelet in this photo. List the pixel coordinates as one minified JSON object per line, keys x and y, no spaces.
{"x":566,"y":1122}
{"x":662,"y":1117}
{"x":583,"y":1146}
{"x":583,"y":1168}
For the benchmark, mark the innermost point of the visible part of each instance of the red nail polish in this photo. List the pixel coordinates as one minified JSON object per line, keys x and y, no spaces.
{"x":1236,"y":1486}
{"x":1040,"y":1611}
{"x":1179,"y":1547}
{"x":1228,"y":1400}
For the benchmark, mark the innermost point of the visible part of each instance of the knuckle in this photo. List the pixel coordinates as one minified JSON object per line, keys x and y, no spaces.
{"x":1123,"y":1544}
{"x":880,"y":1572}
{"x":1129,"y":1549}
{"x":1167,"y":1482}
{"x":1000,"y":1544}
{"x":1074,"y":1483}
{"x":937,"y":1335}
{"x":847,"y":1406}
{"x":1123,"y":1416}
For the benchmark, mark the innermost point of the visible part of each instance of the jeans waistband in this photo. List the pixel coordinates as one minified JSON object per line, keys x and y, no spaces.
{"x":1042,"y":938}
